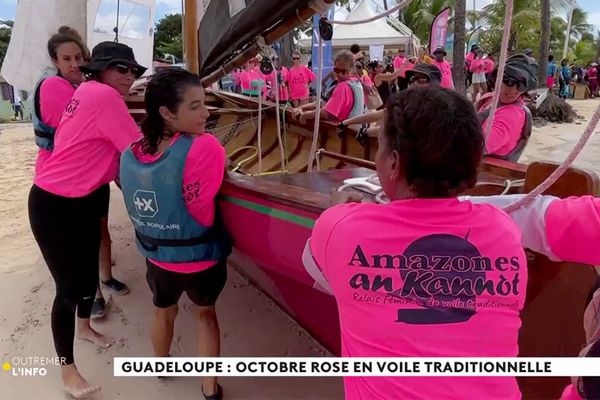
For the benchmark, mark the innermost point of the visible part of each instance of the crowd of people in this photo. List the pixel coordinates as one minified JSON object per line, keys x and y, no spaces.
{"x":560,"y":78}
{"x":170,"y":171}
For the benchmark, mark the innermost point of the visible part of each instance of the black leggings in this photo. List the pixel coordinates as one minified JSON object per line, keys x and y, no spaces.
{"x":67,"y":231}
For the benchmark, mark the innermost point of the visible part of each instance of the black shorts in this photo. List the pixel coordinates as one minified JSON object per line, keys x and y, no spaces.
{"x":203,"y":288}
{"x":104,"y":200}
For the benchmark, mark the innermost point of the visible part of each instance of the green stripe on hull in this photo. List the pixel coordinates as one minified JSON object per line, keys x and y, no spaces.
{"x":273,"y":212}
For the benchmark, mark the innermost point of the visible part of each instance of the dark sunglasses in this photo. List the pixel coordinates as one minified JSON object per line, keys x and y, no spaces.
{"x":511,"y":81}
{"x":419,"y":79}
{"x":295,"y":58}
{"x":340,"y":71}
{"x":123,"y":69}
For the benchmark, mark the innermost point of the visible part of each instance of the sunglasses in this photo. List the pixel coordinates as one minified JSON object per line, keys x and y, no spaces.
{"x":511,"y":81}
{"x":295,"y":58}
{"x":340,"y":71}
{"x":419,"y":79}
{"x":123,"y":69}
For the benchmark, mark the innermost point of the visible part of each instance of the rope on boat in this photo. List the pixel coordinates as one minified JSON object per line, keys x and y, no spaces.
{"x":315,"y":138}
{"x":501,"y":64}
{"x":374,"y":18}
{"x":277,"y":116}
{"x":558,"y":172}
{"x":239,"y":164}
{"x":259,"y":131}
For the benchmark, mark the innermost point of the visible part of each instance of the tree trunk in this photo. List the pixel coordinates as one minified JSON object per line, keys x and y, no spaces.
{"x":544,"y":41}
{"x":458,"y":56}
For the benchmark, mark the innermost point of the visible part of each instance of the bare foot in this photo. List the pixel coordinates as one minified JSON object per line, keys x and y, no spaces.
{"x":75,"y":385}
{"x":98,"y":339}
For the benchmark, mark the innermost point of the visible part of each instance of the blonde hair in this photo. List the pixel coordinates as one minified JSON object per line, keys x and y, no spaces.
{"x":346,"y":58}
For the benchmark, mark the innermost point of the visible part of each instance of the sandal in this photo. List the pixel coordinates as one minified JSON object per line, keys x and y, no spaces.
{"x":98,"y":308}
{"x":218,"y":395}
{"x":115,"y":286}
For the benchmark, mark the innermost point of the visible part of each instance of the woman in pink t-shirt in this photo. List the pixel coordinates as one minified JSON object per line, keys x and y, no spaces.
{"x":299,"y":77}
{"x":176,"y":149}
{"x":66,"y":200}
{"x":425,"y":275}
{"x":280,"y":74}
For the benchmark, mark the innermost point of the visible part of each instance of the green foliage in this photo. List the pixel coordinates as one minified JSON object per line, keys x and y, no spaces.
{"x":168,"y":37}
{"x":5,"y":31}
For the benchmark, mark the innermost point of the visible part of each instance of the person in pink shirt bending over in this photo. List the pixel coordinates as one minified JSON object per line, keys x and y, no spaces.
{"x":511,"y":127}
{"x":299,"y":77}
{"x":425,"y":275}
{"x":347,"y":99}
{"x":171,"y":178}
{"x":444,"y":66}
{"x":66,"y":200}
{"x":251,"y":80}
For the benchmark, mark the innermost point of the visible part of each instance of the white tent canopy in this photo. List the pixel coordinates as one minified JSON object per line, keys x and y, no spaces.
{"x":377,"y":32}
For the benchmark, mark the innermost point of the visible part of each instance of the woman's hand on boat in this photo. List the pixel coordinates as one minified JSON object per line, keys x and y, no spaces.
{"x":345,"y":197}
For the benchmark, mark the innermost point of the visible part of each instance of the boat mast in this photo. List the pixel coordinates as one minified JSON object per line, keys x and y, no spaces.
{"x":190,"y":34}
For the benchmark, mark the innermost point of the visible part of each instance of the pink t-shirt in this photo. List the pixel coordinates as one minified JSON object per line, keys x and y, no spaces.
{"x":478,"y":66}
{"x":94,"y":130}
{"x":424,"y":278}
{"x":247,"y":77}
{"x":202,"y":177}
{"x":299,"y":79}
{"x":284,"y":94}
{"x":55,"y":94}
{"x":506,"y":130}
{"x":341,"y":102}
{"x":446,"y":70}
{"x":573,"y":229}
{"x":470,"y":57}
{"x":398,"y":61}
{"x":488,"y":65}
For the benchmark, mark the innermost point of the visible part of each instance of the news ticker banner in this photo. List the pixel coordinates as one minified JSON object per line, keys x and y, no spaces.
{"x":332,"y":366}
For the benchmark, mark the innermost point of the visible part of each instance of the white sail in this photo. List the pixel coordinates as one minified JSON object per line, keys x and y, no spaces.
{"x":27,"y":56}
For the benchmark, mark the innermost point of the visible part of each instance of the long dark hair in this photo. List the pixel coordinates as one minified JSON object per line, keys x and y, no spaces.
{"x":165,"y":89}
{"x":66,"y":34}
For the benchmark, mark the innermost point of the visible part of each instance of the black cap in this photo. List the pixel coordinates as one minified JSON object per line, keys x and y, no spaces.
{"x":522,"y":67}
{"x":431,"y":71}
{"x":107,"y":53}
{"x":440,"y":50}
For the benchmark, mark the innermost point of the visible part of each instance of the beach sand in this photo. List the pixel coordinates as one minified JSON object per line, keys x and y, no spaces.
{"x":251,"y":325}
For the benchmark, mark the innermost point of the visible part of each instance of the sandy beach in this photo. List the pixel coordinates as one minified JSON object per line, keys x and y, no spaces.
{"x":251,"y":325}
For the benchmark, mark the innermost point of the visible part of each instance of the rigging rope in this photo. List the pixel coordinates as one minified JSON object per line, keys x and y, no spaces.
{"x":277,"y":116}
{"x":501,"y":64}
{"x":259,"y":130}
{"x":315,"y":138}
{"x":542,"y":187}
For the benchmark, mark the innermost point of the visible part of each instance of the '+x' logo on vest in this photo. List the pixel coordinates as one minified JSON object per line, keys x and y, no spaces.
{"x":145,"y":203}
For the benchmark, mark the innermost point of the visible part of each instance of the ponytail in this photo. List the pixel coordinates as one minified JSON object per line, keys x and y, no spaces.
{"x":66,"y":34}
{"x":165,"y":89}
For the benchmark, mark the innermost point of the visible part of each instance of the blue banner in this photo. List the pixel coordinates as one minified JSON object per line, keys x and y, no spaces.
{"x":327,"y":49}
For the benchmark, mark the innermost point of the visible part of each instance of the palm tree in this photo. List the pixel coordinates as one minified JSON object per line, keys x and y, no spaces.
{"x":419,"y":15}
{"x":458,"y":57}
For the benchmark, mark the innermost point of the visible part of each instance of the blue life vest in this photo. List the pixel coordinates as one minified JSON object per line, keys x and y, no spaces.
{"x":164,"y":229}
{"x":359,"y":98}
{"x":44,"y":134}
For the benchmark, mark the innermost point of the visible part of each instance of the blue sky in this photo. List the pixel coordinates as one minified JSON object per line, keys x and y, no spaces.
{"x":8,"y":7}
